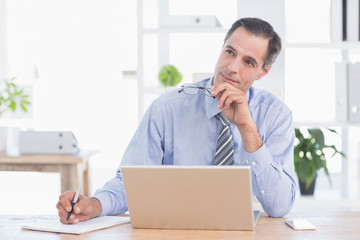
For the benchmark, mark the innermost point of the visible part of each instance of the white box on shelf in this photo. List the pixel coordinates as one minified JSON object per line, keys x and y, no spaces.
{"x":336,"y":21}
{"x":354,"y":90}
{"x":341,"y":88}
{"x":169,"y":21}
{"x":352,"y":20}
{"x":47,"y":142}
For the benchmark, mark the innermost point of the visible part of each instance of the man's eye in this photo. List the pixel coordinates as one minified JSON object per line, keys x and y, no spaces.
{"x":228,"y":51}
{"x":250,"y":63}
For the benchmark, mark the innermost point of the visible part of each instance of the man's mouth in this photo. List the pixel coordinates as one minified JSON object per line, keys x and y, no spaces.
{"x":228,"y":80}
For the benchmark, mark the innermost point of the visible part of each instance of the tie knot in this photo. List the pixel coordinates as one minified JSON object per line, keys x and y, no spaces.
{"x":222,"y":119}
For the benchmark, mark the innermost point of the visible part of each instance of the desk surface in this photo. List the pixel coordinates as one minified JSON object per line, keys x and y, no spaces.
{"x":47,"y":158}
{"x":330,"y":225}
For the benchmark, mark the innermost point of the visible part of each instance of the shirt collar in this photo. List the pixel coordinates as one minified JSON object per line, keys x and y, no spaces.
{"x":211,"y":104}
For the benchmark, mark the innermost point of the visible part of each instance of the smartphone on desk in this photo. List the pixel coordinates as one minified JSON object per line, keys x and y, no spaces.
{"x":300,"y":224}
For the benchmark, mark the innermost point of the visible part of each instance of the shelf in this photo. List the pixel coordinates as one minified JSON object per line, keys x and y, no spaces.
{"x":326,"y":124}
{"x":183,"y":30}
{"x":26,"y":123}
{"x":340,"y":45}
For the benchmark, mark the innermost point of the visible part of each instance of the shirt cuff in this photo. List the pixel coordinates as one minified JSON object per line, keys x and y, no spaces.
{"x":260,"y":160}
{"x":104,"y":201}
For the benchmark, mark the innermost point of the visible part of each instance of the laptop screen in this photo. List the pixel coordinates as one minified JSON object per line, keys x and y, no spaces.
{"x":189,"y":197}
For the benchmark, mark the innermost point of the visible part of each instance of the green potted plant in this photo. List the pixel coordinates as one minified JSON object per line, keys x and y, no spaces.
{"x":11,"y":96}
{"x":309,"y":157}
{"x":169,"y":76}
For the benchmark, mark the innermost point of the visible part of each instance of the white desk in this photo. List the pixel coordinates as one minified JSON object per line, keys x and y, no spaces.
{"x":72,"y":168}
{"x":330,"y":225}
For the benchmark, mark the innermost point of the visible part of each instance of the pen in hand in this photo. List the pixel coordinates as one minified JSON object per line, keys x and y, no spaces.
{"x":74,"y":201}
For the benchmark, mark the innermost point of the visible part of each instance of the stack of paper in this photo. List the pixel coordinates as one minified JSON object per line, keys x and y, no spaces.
{"x":54,"y":225}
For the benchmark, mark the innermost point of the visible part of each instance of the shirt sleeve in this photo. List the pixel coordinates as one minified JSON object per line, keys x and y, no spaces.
{"x":112,"y":196}
{"x":273,"y":170}
{"x":145,"y":148}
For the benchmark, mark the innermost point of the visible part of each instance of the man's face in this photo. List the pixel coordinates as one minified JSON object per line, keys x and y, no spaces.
{"x":241,"y":60}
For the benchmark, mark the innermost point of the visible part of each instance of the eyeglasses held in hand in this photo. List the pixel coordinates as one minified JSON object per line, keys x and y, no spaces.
{"x":192,"y":89}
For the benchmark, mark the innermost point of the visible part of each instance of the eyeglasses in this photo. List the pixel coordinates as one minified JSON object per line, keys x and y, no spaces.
{"x":193,"y":89}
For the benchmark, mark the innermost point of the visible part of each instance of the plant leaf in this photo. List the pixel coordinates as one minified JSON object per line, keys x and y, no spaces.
{"x":318,"y":136}
{"x":12,"y":106}
{"x":23,"y":107}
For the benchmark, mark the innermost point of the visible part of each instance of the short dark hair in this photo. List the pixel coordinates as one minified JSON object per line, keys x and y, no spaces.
{"x":260,"y":28}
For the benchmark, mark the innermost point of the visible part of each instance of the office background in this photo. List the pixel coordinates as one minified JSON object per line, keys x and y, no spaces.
{"x":91,"y":67}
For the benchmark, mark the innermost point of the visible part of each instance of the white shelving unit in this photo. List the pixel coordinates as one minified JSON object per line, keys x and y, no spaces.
{"x":3,"y":39}
{"x":244,"y":8}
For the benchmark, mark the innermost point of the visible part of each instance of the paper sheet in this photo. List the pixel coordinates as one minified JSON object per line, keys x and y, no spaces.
{"x":54,"y":225}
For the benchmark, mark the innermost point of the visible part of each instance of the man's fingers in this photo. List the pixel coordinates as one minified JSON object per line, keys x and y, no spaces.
{"x":61,"y":210}
{"x":228,"y":97}
{"x":65,"y":200}
{"x":78,"y":208}
{"x":63,"y":216}
{"x":221,"y":95}
{"x":81,"y":218}
{"x":64,"y":206}
{"x":71,"y":220}
{"x":75,"y":218}
{"x":226,"y":94}
{"x":218,"y":89}
{"x":82,"y":204}
{"x":234,"y":98}
{"x":59,"y":206}
{"x":62,"y":213}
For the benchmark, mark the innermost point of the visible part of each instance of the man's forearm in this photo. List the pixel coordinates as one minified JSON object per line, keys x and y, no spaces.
{"x":251,"y":137}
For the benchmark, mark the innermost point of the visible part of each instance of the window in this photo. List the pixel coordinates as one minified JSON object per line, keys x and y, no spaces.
{"x":73,"y":54}
{"x":307,"y":21}
{"x":310,"y":83}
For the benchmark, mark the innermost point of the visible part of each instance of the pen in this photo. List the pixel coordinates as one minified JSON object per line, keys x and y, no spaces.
{"x":74,"y":201}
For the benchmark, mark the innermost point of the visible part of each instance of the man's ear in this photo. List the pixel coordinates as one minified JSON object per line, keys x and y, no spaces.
{"x":264,"y":71}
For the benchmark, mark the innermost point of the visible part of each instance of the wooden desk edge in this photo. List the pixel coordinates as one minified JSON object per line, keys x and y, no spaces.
{"x":47,"y":158}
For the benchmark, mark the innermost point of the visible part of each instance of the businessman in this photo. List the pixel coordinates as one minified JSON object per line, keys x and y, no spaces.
{"x":222,"y":120}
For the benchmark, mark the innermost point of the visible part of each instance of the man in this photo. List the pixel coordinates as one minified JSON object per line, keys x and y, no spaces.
{"x":182,"y":128}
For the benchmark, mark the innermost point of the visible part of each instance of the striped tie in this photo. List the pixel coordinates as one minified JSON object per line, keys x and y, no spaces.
{"x":224,"y":154}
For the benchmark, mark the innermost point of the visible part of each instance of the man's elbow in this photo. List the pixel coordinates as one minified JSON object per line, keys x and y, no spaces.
{"x":278,"y":213}
{"x":281,"y":208}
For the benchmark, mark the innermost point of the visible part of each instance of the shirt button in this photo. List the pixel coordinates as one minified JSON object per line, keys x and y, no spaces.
{"x":253,"y":163}
{"x":262,"y":191}
{"x":247,"y":161}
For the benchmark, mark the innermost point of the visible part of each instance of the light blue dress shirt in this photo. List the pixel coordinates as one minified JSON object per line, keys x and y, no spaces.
{"x":181,"y":129}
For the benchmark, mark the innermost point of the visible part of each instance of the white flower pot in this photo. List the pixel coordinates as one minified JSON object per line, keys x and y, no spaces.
{"x":3,"y":138}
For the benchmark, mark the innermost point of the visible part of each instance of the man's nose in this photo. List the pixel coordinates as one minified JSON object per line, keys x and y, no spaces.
{"x":234,"y":66}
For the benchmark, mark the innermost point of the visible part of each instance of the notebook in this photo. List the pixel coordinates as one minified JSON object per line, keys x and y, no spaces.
{"x":54,"y":225}
{"x":190,"y":197}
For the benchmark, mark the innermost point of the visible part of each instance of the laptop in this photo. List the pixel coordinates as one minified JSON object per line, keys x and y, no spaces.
{"x":190,"y":197}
